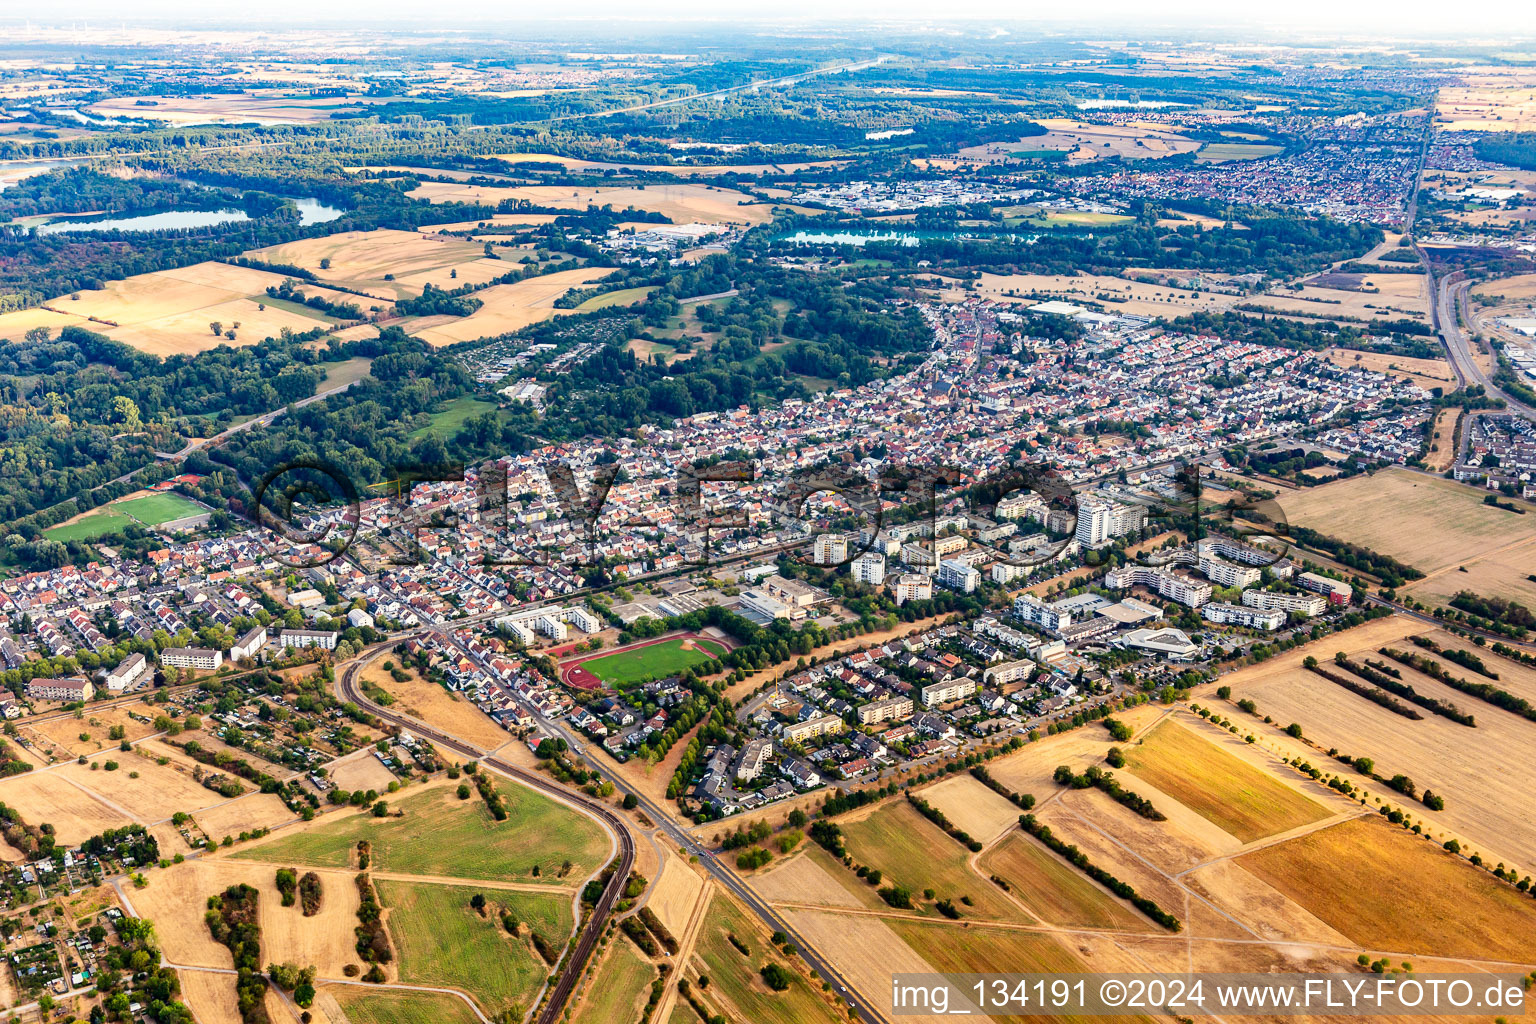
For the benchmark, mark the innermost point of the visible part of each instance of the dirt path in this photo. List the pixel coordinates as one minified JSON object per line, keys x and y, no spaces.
{"x":684,"y":951}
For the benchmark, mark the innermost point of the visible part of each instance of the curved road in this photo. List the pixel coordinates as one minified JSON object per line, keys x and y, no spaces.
{"x":554,"y":1006}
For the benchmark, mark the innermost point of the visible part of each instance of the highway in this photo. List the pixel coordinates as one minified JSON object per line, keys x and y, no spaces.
{"x":1450,"y":307}
{"x":576,"y":962}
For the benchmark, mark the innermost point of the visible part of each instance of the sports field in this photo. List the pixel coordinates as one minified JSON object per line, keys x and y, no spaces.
{"x":640,"y":663}
{"x":1224,"y":790}
{"x":443,"y":835}
{"x":149,"y":510}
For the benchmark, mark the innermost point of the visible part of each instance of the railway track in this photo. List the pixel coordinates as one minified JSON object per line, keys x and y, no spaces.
{"x":560,"y":993}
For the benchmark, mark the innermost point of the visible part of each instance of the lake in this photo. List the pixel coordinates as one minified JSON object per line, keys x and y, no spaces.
{"x":311,"y":211}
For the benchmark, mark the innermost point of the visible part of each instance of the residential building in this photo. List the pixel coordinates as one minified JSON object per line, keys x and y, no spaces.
{"x":1240,"y":615}
{"x":811,"y":728}
{"x":1306,"y":605}
{"x":830,"y":549}
{"x":130,"y":671}
{"x":1336,"y":591}
{"x":72,"y":688}
{"x":911,"y":586}
{"x":935,"y":694}
{"x":754,"y":757}
{"x":247,"y":646}
{"x":200,"y":658}
{"x":868,"y":568}
{"x":958,"y":576}
{"x":887,"y":709}
{"x":322,"y":638}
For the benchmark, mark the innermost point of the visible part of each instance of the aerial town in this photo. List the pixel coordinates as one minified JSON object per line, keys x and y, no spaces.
{"x":762,"y":524}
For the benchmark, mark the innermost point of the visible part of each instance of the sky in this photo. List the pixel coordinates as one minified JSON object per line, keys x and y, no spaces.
{"x":1498,"y":18}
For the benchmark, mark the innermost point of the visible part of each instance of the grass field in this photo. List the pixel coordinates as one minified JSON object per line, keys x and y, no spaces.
{"x":442,"y":941}
{"x":622,"y":297}
{"x":442,"y":835}
{"x":1428,"y":522}
{"x":1218,"y":786}
{"x":101,"y":523}
{"x":150,"y":510}
{"x":154,"y":509}
{"x":1055,"y":890}
{"x":912,"y":852}
{"x":618,"y":988}
{"x":646,"y":663}
{"x":734,"y":975}
{"x":447,"y":420}
{"x":1221,"y":152}
{"x":383,"y":1006}
{"x":1388,"y":889}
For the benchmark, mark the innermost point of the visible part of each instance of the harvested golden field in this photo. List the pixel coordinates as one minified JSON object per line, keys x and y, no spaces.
{"x":65,"y":732}
{"x":972,"y":807}
{"x":1443,"y":440}
{"x":1503,"y":572}
{"x":13,"y":326}
{"x":177,"y":897}
{"x":1486,"y":109}
{"x":263,"y":106}
{"x":683,"y":204}
{"x":1115,"y":294}
{"x":1399,"y":297}
{"x":1029,"y":770}
{"x":1083,"y":142}
{"x":1227,"y":790}
{"x":1054,"y":890}
{"x":519,"y":219}
{"x":169,"y":312}
{"x":45,"y":797}
{"x":426,"y":700}
{"x":1486,"y":810}
{"x":509,"y":307}
{"x":805,"y":879}
{"x":865,"y":950}
{"x":474,"y":272}
{"x":1521,"y":287}
{"x":361,"y":259}
{"x":1261,"y":907}
{"x":363,"y":772}
{"x":1427,"y":522}
{"x":211,"y":997}
{"x":676,"y":893}
{"x":1426,"y":373}
{"x":155,"y":795}
{"x":1388,"y":889}
{"x":252,"y":811}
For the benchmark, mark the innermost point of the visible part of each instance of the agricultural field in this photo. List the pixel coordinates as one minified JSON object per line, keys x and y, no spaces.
{"x":440,"y":834}
{"x":1389,"y":889}
{"x":1224,"y":152}
{"x":653,"y":661}
{"x":621,"y":297}
{"x":49,"y":798}
{"x":1115,"y":294}
{"x":1427,"y":522}
{"x":156,"y":794}
{"x":1397,"y":297}
{"x":441,"y":940}
{"x":1054,"y":890}
{"x":734,"y":982}
{"x":260,"y":106}
{"x":1082,"y":142}
{"x":617,"y":987}
{"x":362,"y":260}
{"x":1236,"y":796}
{"x":683,"y":204}
{"x":509,"y":307}
{"x":911,"y":851}
{"x":1485,"y":810}
{"x":169,"y":312}
{"x":1426,"y":373}
{"x":386,"y":1006}
{"x":972,"y":807}
{"x":1482,"y":108}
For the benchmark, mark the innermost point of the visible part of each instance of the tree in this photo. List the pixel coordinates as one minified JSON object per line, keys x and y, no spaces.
{"x":477,"y":901}
{"x":380,"y":809}
{"x":126,"y":411}
{"x":216,"y":327}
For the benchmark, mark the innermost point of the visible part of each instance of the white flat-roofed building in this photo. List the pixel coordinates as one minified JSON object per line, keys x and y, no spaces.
{"x":868,"y":568}
{"x":1297,"y":604}
{"x":910,"y":586}
{"x":129,"y":672}
{"x":1240,"y":615}
{"x":200,"y":658}
{"x":1163,"y":582}
{"x":829,"y":549}
{"x":1228,"y":574}
{"x":248,"y":645}
{"x":935,"y":694}
{"x":957,"y":575}
{"x":1336,"y":591}
{"x":322,"y":638}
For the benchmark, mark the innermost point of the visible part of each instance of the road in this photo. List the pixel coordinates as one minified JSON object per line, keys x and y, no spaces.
{"x":1450,"y":307}
{"x":576,"y":962}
